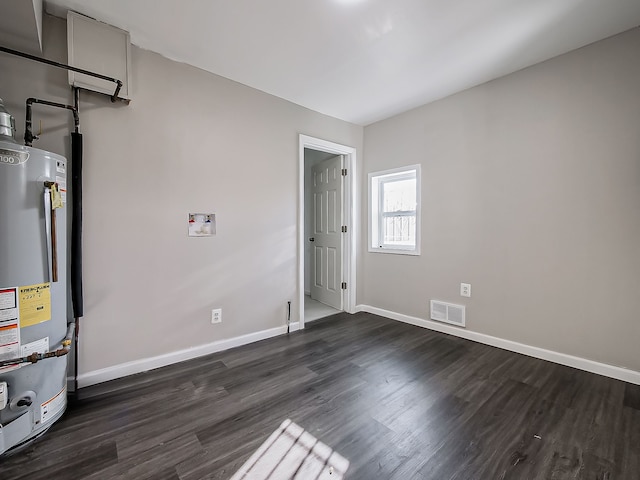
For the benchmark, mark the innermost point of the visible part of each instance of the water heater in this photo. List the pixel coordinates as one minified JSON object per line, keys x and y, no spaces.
{"x":33,"y":288}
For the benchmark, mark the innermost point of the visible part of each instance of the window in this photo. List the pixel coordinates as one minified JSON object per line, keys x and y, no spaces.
{"x":394,"y":211}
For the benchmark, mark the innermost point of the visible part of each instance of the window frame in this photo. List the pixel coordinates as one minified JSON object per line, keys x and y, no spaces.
{"x":376,"y":215}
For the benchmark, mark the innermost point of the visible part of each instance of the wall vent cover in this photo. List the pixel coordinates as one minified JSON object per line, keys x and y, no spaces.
{"x":96,"y":46}
{"x":448,"y":313}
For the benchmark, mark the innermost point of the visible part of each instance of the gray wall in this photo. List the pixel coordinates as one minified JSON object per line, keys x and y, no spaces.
{"x":531,"y":193}
{"x":189,"y":142}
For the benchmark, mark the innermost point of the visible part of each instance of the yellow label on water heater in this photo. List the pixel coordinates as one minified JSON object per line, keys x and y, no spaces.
{"x":35,"y":304}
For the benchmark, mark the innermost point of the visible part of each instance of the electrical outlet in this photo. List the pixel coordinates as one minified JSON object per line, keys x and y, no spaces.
{"x":465,"y":289}
{"x":216,"y":315}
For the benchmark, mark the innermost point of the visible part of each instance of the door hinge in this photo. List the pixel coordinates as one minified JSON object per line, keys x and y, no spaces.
{"x":344,"y":229}
{"x":344,"y":285}
{"x":344,"y":172}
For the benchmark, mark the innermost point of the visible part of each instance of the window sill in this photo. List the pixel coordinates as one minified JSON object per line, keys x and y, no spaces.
{"x":395,"y":251}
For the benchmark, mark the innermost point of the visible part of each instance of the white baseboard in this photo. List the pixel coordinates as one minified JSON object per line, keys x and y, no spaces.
{"x":145,"y":364}
{"x":293,"y":326}
{"x":607,"y":370}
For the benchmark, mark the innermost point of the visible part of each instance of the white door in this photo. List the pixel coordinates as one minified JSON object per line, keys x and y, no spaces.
{"x":326,"y":246}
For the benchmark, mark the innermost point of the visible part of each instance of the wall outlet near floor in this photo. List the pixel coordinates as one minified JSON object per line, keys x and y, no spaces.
{"x":216,"y":315}
{"x":465,"y":290}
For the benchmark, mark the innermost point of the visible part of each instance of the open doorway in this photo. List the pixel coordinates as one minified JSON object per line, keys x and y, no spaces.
{"x":326,"y":242}
{"x":323,"y":222}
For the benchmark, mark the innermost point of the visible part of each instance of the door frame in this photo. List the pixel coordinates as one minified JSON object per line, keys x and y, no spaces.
{"x":349,"y":216}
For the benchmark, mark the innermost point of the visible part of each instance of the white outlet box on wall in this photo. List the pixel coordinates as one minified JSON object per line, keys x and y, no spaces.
{"x":465,"y":289}
{"x":216,"y":315}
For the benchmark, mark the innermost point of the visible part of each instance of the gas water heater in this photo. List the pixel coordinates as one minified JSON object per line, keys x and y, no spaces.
{"x":33,"y":289}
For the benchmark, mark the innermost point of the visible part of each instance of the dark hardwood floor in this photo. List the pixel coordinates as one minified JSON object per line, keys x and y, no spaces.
{"x":399,"y":402}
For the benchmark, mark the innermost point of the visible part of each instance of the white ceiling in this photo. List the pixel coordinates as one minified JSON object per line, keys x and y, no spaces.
{"x":361,"y":60}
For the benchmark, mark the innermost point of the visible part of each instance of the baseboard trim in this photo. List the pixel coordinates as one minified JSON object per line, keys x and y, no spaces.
{"x":612,"y":371}
{"x":293,"y":326}
{"x":145,"y":364}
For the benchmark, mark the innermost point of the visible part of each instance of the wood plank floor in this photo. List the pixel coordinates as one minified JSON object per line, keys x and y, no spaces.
{"x":399,"y":402}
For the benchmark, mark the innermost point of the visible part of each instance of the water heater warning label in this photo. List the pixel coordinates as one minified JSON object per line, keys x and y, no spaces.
{"x":35,"y":304}
{"x":9,"y":340}
{"x":62,"y":187}
{"x":9,"y":328}
{"x":53,"y":406}
{"x":8,"y":304}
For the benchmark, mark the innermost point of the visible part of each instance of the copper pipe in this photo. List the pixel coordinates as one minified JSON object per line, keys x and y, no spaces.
{"x":54,"y":235}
